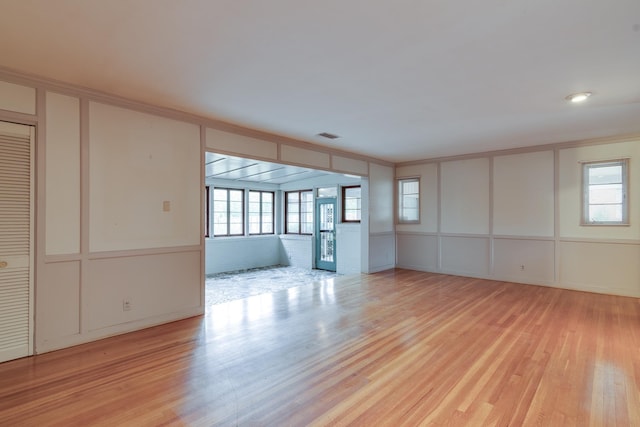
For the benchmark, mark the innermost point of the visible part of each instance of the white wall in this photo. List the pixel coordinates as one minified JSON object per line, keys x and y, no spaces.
{"x":516,"y":217}
{"x":105,"y":166}
{"x":381,"y":237}
{"x":224,"y":254}
{"x":104,"y":235}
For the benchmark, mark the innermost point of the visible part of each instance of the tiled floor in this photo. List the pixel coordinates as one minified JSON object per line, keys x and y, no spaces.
{"x":225,"y":287}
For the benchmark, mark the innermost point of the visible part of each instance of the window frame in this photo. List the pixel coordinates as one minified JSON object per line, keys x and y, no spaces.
{"x":399,"y":198}
{"x":207,"y":211}
{"x":260,"y":213}
{"x":286,"y":212}
{"x":344,"y":205}
{"x":586,"y":185}
{"x":228,"y":211}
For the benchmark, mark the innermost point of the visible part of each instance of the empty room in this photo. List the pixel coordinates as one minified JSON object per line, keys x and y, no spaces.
{"x":448,"y":191}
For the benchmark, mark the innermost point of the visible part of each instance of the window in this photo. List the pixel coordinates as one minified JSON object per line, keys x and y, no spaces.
{"x":207,"y":211}
{"x":228,"y":212}
{"x":409,"y":200}
{"x":261,"y":212}
{"x":328,"y":192}
{"x":605,"y":193}
{"x":299,"y":212}
{"x":351,"y":204}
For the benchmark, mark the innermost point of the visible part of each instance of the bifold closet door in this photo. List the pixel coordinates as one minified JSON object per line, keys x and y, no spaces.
{"x":16,"y":240}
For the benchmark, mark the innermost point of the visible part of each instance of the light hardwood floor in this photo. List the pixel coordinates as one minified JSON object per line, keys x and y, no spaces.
{"x":394,"y":348}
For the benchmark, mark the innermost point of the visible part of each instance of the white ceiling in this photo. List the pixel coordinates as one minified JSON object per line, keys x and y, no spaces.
{"x":219,"y":166}
{"x":397,"y":80}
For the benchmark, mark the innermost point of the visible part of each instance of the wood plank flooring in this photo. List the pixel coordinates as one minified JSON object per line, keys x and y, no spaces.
{"x":389,"y":349}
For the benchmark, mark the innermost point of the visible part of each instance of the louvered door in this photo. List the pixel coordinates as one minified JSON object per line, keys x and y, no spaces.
{"x":16,"y":240}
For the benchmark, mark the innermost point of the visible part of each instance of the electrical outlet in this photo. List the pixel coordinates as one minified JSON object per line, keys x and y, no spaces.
{"x":126,"y":304}
{"x":522,"y":267}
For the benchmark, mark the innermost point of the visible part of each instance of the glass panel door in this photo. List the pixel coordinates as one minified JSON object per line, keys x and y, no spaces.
{"x":326,"y":234}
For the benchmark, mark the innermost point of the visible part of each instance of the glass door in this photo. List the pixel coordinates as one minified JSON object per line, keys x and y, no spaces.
{"x":326,"y":234}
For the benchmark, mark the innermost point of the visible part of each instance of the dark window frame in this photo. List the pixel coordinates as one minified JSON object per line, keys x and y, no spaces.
{"x":228,"y":211}
{"x":286,"y":212}
{"x":207,"y":211}
{"x":344,"y":204}
{"x":260,"y":213}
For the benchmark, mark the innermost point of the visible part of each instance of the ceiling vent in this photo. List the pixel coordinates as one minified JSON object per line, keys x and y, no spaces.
{"x":328,"y":135}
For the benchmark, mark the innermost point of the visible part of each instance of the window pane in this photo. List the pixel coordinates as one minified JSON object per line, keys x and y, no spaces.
{"x":254,"y":228}
{"x":328,"y":192}
{"x":605,"y":174}
{"x":409,"y":200}
{"x":605,"y":213}
{"x":609,"y":193}
{"x":219,"y":194}
{"x":254,"y":196}
{"x":235,"y":229}
{"x":236,"y":195}
{"x":219,"y":229}
{"x":293,"y":227}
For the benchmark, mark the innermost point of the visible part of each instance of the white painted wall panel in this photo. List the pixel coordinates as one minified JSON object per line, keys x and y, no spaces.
{"x":571,"y":190}
{"x":138,"y":161}
{"x":524,"y":261}
{"x":304,"y":157}
{"x":600,"y":267}
{"x":232,"y":254}
{"x":58,"y":302}
{"x":351,"y":166}
{"x":428,"y":174}
{"x":381,"y":200}
{"x":348,"y":260}
{"x":21,"y":99}
{"x":62,"y":174}
{"x":523,"y":194}
{"x":465,"y":196}
{"x":465,"y":255}
{"x":217,"y":140}
{"x":156,"y":285}
{"x":382,"y":252}
{"x":297,"y":251}
{"x":416,"y":251}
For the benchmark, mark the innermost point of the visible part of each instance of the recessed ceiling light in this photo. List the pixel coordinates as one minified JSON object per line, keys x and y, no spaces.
{"x":328,"y":135}
{"x":578,"y":97}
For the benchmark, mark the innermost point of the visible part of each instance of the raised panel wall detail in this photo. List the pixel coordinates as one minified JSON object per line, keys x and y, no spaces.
{"x":58,"y":302}
{"x":523,"y":194}
{"x":525,"y":261}
{"x":302,"y":156}
{"x":62,"y":175}
{"x":344,"y":164}
{"x":21,"y":99}
{"x":418,"y":252}
{"x":155,"y":284}
{"x":465,"y":196}
{"x":137,"y":163}
{"x":241,"y":145}
{"x":465,"y":255}
{"x":601,"y":267}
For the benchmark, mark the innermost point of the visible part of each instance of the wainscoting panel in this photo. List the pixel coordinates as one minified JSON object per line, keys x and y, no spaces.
{"x":609,"y":268}
{"x":465,"y":255}
{"x":58,"y":301}
{"x":524,"y":261}
{"x":382,"y":251}
{"x":155,"y":285}
{"x":417,"y":251}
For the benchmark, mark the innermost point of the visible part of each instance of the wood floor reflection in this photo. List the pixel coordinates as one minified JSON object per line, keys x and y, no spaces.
{"x":394,"y":348}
